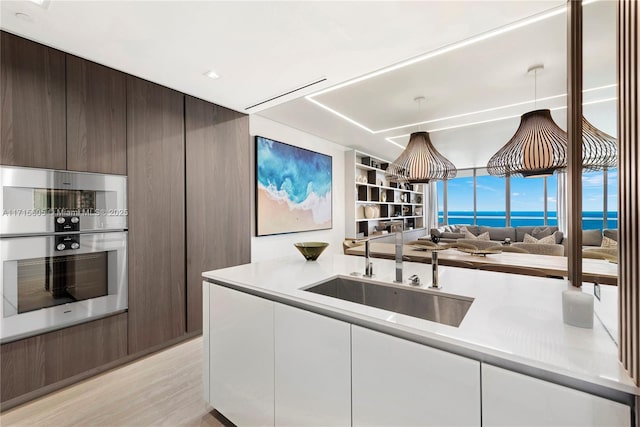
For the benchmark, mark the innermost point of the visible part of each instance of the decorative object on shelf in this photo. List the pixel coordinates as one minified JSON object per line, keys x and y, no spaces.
{"x":311,"y":250}
{"x":383,"y":196}
{"x":284,"y":203}
{"x":420,"y":162}
{"x":539,"y":146}
{"x":418,"y":211}
{"x":369,"y":211}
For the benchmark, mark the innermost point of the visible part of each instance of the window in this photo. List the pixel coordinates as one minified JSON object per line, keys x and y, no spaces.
{"x":612,"y":198}
{"x":592,"y":200}
{"x":490,"y":200}
{"x":440,"y":185}
{"x":460,"y":198}
{"x":552,"y":200}
{"x":527,"y":201}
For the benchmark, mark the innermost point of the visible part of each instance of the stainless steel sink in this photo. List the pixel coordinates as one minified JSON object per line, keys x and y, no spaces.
{"x":447,"y":309}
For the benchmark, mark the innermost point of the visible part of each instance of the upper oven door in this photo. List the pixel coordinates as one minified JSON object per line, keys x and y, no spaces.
{"x":33,"y":200}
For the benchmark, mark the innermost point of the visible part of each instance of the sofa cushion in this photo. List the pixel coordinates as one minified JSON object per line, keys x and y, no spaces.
{"x":540,"y":248}
{"x":559,"y":235}
{"x":611,"y":233}
{"x":473,"y":229}
{"x":550,"y":239}
{"x":499,"y":233}
{"x":608,"y":243}
{"x":535,"y":231}
{"x":450,"y":235}
{"x":591,"y":237}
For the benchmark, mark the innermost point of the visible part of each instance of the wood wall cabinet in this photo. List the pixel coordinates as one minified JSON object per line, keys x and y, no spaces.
{"x":45,"y":359}
{"x":32,"y":89}
{"x":96,"y":118}
{"x":156,"y":196}
{"x":218,"y":181}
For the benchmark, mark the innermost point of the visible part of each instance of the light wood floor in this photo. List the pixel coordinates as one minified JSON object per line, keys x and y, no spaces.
{"x":164,"y":389}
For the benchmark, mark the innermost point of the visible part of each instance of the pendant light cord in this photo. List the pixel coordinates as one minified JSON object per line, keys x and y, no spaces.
{"x":535,"y":89}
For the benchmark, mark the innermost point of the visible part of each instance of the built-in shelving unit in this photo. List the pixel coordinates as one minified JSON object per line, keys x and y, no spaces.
{"x":374,"y":201}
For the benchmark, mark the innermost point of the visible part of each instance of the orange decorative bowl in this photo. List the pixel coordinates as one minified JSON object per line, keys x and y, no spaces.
{"x":311,"y":250}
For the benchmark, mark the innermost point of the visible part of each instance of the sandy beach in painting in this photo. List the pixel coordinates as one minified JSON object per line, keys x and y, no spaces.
{"x":277,"y":215}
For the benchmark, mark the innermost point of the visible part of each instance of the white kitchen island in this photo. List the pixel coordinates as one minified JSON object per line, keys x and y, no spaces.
{"x":276,"y":354}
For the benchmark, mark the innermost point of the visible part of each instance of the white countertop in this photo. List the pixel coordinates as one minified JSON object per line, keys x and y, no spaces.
{"x":515,"y":319}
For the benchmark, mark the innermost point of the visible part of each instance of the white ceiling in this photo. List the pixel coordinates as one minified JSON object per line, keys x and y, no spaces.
{"x":263,"y":49}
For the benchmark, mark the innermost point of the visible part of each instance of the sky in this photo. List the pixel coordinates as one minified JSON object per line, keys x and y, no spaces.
{"x":527,"y":194}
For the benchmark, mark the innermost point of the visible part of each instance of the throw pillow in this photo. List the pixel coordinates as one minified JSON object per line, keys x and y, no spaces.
{"x":608,"y":243}
{"x":469,"y":235}
{"x":539,"y":232}
{"x":548,"y":240}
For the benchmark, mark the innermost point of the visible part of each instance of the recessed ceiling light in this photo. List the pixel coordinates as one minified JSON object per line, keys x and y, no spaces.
{"x":38,"y":2}
{"x":24,"y":16}
{"x":212,"y":74}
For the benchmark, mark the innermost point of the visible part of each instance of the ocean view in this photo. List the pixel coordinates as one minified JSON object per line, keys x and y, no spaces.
{"x":590,"y":220}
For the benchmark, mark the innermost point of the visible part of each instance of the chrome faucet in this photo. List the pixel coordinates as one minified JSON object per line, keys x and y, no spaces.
{"x":396,"y":227}
{"x":368,"y":265}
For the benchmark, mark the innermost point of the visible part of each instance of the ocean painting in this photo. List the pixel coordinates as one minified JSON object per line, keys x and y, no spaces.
{"x":293,"y":189}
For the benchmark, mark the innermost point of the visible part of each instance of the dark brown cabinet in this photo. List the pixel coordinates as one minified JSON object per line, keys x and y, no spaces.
{"x":32,"y":117}
{"x":35,"y":362}
{"x":96,"y":118}
{"x":156,"y":196}
{"x":218,"y":184}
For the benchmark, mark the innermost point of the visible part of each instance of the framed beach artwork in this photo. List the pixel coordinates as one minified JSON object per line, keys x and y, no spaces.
{"x":293,"y":189}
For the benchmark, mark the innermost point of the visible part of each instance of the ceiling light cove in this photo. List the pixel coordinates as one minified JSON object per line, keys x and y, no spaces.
{"x":563,"y":107}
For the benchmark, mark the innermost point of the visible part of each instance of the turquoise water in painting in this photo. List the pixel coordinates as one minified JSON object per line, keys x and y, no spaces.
{"x":295,"y":172}
{"x":590,"y":220}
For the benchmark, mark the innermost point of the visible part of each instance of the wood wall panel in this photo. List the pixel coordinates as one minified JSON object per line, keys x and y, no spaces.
{"x":156,"y":197}
{"x":22,"y":367}
{"x":218,"y":195}
{"x":629,"y":186}
{"x":35,"y":362}
{"x":80,"y":348}
{"x":96,"y":118}
{"x":32,"y":111}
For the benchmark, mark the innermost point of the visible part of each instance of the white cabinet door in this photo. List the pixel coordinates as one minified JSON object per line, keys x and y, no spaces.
{"x":312,"y":369}
{"x":396,"y":382}
{"x":512,"y":399}
{"x":241,"y":356}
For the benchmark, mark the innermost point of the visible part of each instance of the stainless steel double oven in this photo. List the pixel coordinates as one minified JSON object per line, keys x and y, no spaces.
{"x":63,"y":249}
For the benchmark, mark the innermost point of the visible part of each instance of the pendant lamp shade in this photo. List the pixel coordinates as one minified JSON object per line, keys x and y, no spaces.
{"x":538,"y":148}
{"x":599,"y":150}
{"x":420,"y":162}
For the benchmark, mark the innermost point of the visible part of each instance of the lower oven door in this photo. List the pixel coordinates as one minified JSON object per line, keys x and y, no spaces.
{"x":58,"y":280}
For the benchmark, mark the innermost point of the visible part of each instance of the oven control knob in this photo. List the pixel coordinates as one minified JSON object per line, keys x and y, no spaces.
{"x":61,"y":247}
{"x":75,"y":219}
{"x":60,"y":220}
{"x":75,"y":245}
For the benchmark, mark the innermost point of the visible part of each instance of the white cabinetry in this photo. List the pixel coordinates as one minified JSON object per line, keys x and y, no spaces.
{"x":401,"y":383}
{"x":512,"y":399}
{"x":240,"y":356}
{"x":312,"y":369}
